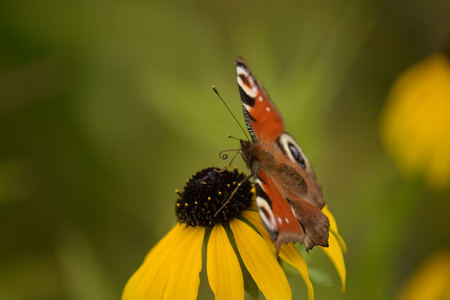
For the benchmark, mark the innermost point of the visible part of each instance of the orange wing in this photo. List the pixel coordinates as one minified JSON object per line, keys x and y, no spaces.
{"x":262,"y":118}
{"x":275,"y":212}
{"x":288,"y":196}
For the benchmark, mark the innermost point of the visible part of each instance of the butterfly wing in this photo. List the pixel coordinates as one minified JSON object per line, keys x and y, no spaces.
{"x":262,"y":118}
{"x":275,"y":212}
{"x":288,"y":203}
{"x":288,"y":196}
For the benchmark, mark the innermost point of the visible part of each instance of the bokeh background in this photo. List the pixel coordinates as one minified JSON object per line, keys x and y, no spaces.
{"x":106,"y":107}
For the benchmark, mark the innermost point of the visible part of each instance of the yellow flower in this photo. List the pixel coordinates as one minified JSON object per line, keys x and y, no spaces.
{"x":235,"y":240}
{"x":415,"y":123}
{"x":431,"y":281}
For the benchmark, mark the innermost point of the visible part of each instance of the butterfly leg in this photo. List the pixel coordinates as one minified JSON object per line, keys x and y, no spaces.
{"x":233,"y":193}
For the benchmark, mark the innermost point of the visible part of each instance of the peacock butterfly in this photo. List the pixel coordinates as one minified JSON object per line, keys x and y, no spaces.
{"x":288,"y":196}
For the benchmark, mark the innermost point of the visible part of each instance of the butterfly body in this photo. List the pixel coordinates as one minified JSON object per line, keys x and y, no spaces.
{"x":288,"y":196}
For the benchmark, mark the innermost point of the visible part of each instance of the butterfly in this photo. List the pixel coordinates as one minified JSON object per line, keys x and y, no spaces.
{"x":288,"y":196}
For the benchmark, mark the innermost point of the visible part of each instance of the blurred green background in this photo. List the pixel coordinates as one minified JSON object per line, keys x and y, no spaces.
{"x":106,"y":107}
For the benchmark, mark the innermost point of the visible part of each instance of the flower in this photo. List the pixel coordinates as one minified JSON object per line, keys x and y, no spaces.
{"x":236,"y":242}
{"x":415,"y":123}
{"x":432,"y":279}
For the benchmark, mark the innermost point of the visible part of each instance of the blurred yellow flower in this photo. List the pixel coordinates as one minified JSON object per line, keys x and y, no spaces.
{"x":431,"y":281}
{"x":171,"y":269}
{"x":415,"y":122}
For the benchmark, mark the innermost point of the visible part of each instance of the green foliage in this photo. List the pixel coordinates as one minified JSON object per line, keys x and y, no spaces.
{"x":106,"y":108}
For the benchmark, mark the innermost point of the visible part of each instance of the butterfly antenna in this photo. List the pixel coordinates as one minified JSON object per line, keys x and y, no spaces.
{"x":223,"y":101}
{"x":232,"y":137}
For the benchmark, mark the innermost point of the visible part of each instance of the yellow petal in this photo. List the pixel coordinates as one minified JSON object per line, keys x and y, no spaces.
{"x":290,"y":254}
{"x":224,"y":272}
{"x":253,"y":207}
{"x":254,"y":218}
{"x":415,"y":121}
{"x":431,"y":281}
{"x":438,"y":166}
{"x":186,"y":266}
{"x":333,"y":224}
{"x":146,"y":281}
{"x":334,"y":252}
{"x":438,"y":171}
{"x":260,"y":261}
{"x":334,"y":229}
{"x":172,"y":265}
